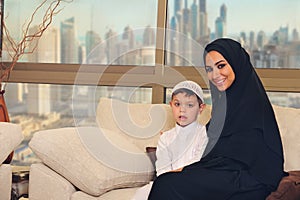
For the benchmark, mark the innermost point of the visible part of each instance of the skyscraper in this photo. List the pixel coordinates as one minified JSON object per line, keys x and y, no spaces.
{"x":252,"y":40}
{"x":111,"y":42}
{"x":283,"y":35}
{"x":243,"y":37}
{"x":48,"y":46}
{"x":219,"y":28}
{"x":223,"y":13}
{"x":47,"y":51}
{"x":203,"y":26}
{"x":220,"y":23}
{"x":148,"y":36}
{"x":147,"y":52}
{"x":202,"y":6}
{"x":186,"y":18}
{"x":126,"y":48}
{"x":128,"y":36}
{"x":173,"y":41}
{"x":295,"y":35}
{"x":38,"y":99}
{"x":194,"y":21}
{"x":92,"y":39}
{"x":177,"y":6}
{"x":261,"y":39}
{"x":94,"y":52}
{"x":69,"y":44}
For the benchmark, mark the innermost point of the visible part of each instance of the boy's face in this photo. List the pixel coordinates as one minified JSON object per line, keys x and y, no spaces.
{"x":185,"y":108}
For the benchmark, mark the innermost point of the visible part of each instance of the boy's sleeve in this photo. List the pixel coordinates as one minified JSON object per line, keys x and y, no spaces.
{"x":163,"y":162}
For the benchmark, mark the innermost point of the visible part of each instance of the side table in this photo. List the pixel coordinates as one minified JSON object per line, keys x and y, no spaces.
{"x":20,"y":183}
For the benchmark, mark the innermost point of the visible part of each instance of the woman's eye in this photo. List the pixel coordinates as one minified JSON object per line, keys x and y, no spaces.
{"x":190,"y":105}
{"x":221,"y":66}
{"x":208,"y":69}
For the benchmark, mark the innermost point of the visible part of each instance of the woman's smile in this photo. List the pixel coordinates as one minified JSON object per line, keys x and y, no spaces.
{"x":219,"y":82}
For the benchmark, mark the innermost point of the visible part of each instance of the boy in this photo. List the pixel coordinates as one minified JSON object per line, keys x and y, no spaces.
{"x":185,"y":143}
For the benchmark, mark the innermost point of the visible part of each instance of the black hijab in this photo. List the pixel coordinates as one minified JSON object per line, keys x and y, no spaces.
{"x":242,"y":108}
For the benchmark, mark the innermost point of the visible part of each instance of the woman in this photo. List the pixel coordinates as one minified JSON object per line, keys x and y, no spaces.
{"x":244,"y":156}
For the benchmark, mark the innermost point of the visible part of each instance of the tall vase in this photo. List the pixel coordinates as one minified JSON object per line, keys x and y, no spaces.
{"x":4,"y":118}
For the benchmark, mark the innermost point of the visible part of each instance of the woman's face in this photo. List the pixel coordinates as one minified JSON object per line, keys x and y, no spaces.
{"x":219,"y":71}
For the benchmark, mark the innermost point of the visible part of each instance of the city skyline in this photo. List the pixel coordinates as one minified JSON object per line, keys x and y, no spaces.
{"x":86,"y":21}
{"x":75,"y":43}
{"x":240,"y":18}
{"x":278,"y":14}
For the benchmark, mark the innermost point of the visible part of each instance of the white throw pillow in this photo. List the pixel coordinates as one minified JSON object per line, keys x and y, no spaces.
{"x":140,"y":123}
{"x":10,"y":137}
{"x":94,"y":160}
{"x":288,"y":119}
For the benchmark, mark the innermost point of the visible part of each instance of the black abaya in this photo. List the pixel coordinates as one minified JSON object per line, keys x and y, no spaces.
{"x":244,"y":157}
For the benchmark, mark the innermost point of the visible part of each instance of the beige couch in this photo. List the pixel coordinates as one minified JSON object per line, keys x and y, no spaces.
{"x":108,"y":161}
{"x":10,"y":137}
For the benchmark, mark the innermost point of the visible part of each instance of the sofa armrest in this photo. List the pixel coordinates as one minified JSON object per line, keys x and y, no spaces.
{"x":10,"y":137}
{"x":288,"y":188}
{"x":5,"y":181}
{"x":44,"y":183}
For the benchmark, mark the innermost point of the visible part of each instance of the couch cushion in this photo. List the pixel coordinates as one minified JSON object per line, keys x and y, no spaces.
{"x":139,"y":123}
{"x":93,"y":163}
{"x":10,"y":137}
{"x":288,"y":119}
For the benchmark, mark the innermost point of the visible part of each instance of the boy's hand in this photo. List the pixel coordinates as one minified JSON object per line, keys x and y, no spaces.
{"x":178,"y":170}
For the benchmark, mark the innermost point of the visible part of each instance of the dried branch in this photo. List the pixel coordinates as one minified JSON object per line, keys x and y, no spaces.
{"x":20,"y":48}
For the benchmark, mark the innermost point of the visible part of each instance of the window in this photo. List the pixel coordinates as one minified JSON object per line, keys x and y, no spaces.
{"x":92,"y":31}
{"x":285,"y":99}
{"x":45,"y":106}
{"x":268,"y":30}
{"x":165,"y":50}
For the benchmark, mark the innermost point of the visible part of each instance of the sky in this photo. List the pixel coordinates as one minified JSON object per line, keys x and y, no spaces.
{"x":242,"y":15}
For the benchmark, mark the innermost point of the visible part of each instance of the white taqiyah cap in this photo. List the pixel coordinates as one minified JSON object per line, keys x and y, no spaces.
{"x":190,"y":85}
